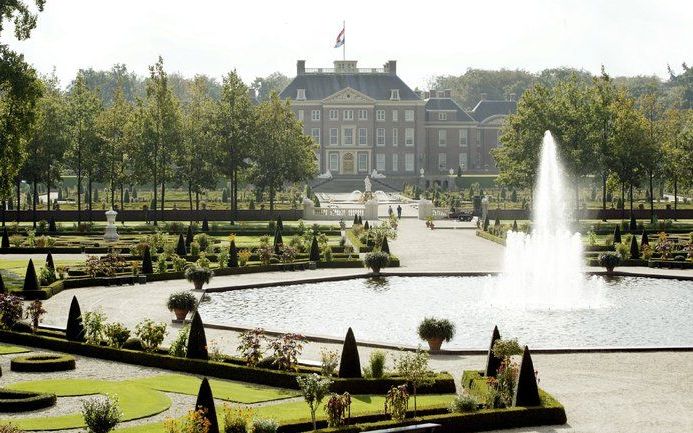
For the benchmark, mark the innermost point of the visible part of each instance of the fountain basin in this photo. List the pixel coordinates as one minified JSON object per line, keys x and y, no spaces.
{"x":631,"y":312}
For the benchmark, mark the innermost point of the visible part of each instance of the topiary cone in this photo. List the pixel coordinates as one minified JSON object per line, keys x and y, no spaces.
{"x":644,"y":240}
{"x":52,"y":228}
{"x":633,"y":224}
{"x":350,"y":364}
{"x":314,"y":250}
{"x":49,"y":261}
{"x":2,"y":285}
{"x":205,"y":401}
{"x":205,"y":225}
{"x":30,"y":280}
{"x":634,"y":249}
{"x":486,"y":223}
{"x":515,"y":225}
{"x":189,"y":237}
{"x":180,"y":246}
{"x":526,"y":389}
{"x":492,"y":362}
{"x":197,"y":340}
{"x":360,"y":220}
{"x":384,"y":247}
{"x":278,"y":241}
{"x":233,"y":255}
{"x":617,"y":234}
{"x":5,"y":239}
{"x":147,"y":262}
{"x":356,"y":221}
{"x":280,"y":224}
{"x":366,"y":226}
{"x":75,"y":327}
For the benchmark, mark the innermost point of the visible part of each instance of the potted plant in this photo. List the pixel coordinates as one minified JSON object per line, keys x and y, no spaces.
{"x":198,"y":275}
{"x":435,"y":331}
{"x":609,"y":261}
{"x":181,"y":303}
{"x":377,"y":261}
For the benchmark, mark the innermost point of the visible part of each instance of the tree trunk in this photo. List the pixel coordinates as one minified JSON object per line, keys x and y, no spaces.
{"x":33,"y":203}
{"x":604,"y":196}
{"x":163,"y":190}
{"x":79,"y":188}
{"x":577,"y":198}
{"x":631,"y":198}
{"x":4,"y":207}
{"x":197,"y":200}
{"x":271,"y":198}
{"x":19,"y":197}
{"x":48,"y":193}
{"x":156,"y":184}
{"x":91,"y":198}
{"x":122,"y":204}
{"x":652,"y":213}
{"x":235,"y":192}
{"x":623,"y":200}
{"x":676,"y":196}
{"x":190,"y":199}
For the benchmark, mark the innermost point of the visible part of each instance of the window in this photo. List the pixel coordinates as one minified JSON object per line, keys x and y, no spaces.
{"x":334,"y":115}
{"x":348,"y":114}
{"x":442,"y":137}
{"x":301,"y":94}
{"x":409,"y":137}
{"x":408,"y":162}
{"x":442,"y":161}
{"x":408,"y":115}
{"x":442,"y":116}
{"x":300,"y":115}
{"x":463,"y":160}
{"x":334,"y":162}
{"x":380,"y":115}
{"x":315,"y":133}
{"x":380,"y":161}
{"x":317,"y":158}
{"x":380,"y":137}
{"x":395,"y":162}
{"x":315,"y":115}
{"x":363,"y":161}
{"x":395,"y":115}
{"x":334,"y":137}
{"x":348,"y":137}
{"x":363,"y":136}
{"x":363,"y":114}
{"x":394,"y":94}
{"x":395,"y":137}
{"x":463,"y":137}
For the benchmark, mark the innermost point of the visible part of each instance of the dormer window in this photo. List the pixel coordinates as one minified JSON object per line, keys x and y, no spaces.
{"x":394,"y":94}
{"x":300,"y":94}
{"x":442,"y":116}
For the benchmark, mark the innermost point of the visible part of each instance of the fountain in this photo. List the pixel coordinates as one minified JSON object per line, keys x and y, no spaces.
{"x":544,"y":269}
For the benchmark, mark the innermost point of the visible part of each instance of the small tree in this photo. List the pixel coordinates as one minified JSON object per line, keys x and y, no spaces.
{"x":314,"y":250}
{"x":634,"y":249}
{"x":49,"y":261}
{"x":280,"y":223}
{"x":5,"y":239}
{"x":30,"y":279}
{"x":180,"y":247}
{"x":314,"y":388}
{"x":617,"y":234}
{"x":197,"y":340}
{"x":350,"y":364}
{"x":413,"y":367}
{"x":205,"y":402}
{"x":101,"y":415}
{"x":644,"y":240}
{"x":147,"y":267}
{"x":278,"y":241}
{"x":190,"y":236}
{"x":384,"y":247}
{"x":75,"y":327}
{"x":205,"y":225}
{"x":2,"y":285}
{"x":233,"y":255}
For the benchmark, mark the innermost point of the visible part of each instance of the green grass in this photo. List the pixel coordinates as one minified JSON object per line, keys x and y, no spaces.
{"x":8,"y":350}
{"x":231,"y":391}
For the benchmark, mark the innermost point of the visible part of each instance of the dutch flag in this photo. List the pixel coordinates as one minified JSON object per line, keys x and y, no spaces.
{"x":340,"y":39}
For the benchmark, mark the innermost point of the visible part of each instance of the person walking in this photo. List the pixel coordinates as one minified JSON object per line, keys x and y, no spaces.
{"x":389,"y":210}
{"x":399,"y":212}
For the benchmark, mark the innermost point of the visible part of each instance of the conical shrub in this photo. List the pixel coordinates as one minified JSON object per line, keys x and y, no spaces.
{"x":356,"y":220}
{"x":496,"y":223}
{"x":205,"y":225}
{"x":486,"y":223}
{"x":493,"y":362}
{"x":30,"y":280}
{"x":280,"y":223}
{"x":233,"y":255}
{"x":634,"y":249}
{"x":2,"y":285}
{"x":197,"y":340}
{"x":314,"y":250}
{"x":180,"y":246}
{"x":350,"y":364}
{"x":205,"y":401}
{"x":278,"y":241}
{"x":515,"y":225}
{"x":49,"y":261}
{"x":366,"y":226}
{"x":384,"y":247}
{"x":5,"y":238}
{"x":526,"y":390}
{"x":360,"y":220}
{"x":147,"y":267}
{"x":617,"y":234}
{"x":52,"y":228}
{"x":633,"y":226}
{"x":189,"y":237}
{"x":644,"y":240}
{"x":75,"y":327}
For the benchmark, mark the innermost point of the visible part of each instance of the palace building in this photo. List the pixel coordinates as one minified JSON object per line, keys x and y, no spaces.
{"x":367,"y":119}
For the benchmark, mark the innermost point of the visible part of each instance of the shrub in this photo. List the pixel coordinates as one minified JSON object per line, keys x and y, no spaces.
{"x":327,"y":254}
{"x":314,"y":388}
{"x":161,"y":265}
{"x":10,"y":310}
{"x":337,"y":408}
{"x":203,"y":261}
{"x":463,"y":403}
{"x":396,"y":402}
{"x":504,"y":349}
{"x":47,"y":276}
{"x":265,"y":251}
{"x":617,"y":234}
{"x":432,"y":328}
{"x":376,"y":261}
{"x":182,"y":300}
{"x":609,"y":240}
{"x":376,"y":364}
{"x":196,"y":274}
{"x":623,"y":250}
{"x":179,"y":344}
{"x":243,"y":257}
{"x":265,"y":425}
{"x":223,"y":258}
{"x":9,"y":428}
{"x":350,"y":363}
{"x":75,"y":327}
{"x":287,"y":253}
{"x":101,"y":415}
{"x":609,"y":260}
{"x":194,"y":249}
{"x":384,"y":246}
{"x":233,"y":255}
{"x":634,"y":249}
{"x":205,"y":401}
{"x":30,"y":280}
{"x":151,"y":334}
{"x":147,"y":262}
{"x":5,"y":239}
{"x":133,"y":344}
{"x":116,"y":334}
{"x":250,"y":347}
{"x":180,"y":246}
{"x":179,"y":263}
{"x":34,"y":312}
{"x":197,"y":340}
{"x":328,"y":362}
{"x":203,"y":240}
{"x":237,"y":419}
{"x":286,"y":350}
{"x":16,"y":240}
{"x":413,"y":367}
{"x":93,"y":322}
{"x":195,"y":421}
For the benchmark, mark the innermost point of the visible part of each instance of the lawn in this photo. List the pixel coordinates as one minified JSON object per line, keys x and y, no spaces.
{"x":9,"y":350}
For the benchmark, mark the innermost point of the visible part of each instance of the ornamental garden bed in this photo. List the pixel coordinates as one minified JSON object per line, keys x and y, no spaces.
{"x":24,"y":401}
{"x":42,"y":363}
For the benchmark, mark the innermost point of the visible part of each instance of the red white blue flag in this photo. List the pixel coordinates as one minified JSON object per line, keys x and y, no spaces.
{"x":340,"y":39}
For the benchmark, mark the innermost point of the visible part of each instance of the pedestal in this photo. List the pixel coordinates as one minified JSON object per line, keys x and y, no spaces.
{"x":111,"y":234}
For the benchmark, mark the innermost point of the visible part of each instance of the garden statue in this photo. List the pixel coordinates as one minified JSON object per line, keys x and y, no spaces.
{"x":111,"y":234}
{"x":367,"y":184}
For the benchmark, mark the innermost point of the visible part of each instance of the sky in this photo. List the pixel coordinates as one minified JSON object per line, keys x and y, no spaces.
{"x":629,"y":37}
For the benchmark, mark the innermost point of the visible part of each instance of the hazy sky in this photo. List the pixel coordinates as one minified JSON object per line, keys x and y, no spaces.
{"x":630,"y":37}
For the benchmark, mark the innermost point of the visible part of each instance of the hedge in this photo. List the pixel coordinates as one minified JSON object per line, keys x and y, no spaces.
{"x":490,"y":237}
{"x":444,"y":383}
{"x":673,"y":264}
{"x":42,"y":363}
{"x":23,"y":401}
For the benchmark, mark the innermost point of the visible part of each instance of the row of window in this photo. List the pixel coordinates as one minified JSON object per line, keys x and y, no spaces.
{"x":362,"y":114}
{"x":301,"y":94}
{"x":381,"y":162}
{"x":462,"y":162}
{"x":380,"y":138}
{"x":463,"y":137}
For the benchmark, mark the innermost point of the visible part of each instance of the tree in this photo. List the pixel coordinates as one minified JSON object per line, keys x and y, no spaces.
{"x":265,"y":86}
{"x":677,"y":165}
{"x":314,"y":389}
{"x":652,"y":110}
{"x":603,"y":90}
{"x":283,"y":153}
{"x":413,"y":367}
{"x":233,"y":126}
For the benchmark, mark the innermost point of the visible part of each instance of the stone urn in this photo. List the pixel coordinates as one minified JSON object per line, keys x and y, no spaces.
{"x":180,"y":313}
{"x":111,"y":234}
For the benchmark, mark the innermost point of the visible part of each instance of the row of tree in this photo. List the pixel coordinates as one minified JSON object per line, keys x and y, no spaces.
{"x":602,"y":131}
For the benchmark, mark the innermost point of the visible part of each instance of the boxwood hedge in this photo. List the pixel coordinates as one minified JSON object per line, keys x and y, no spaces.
{"x":42,"y":363}
{"x":24,"y":401}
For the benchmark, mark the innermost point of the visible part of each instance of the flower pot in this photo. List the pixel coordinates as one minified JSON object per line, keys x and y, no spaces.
{"x":180,"y":313}
{"x":198,"y":284}
{"x":609,"y":269}
{"x":435,"y":343}
{"x":376,"y":270}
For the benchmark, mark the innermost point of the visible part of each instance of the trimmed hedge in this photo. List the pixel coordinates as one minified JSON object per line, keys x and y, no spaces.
{"x":42,"y":363}
{"x":24,"y":401}
{"x":490,"y":237}
{"x":444,"y":383}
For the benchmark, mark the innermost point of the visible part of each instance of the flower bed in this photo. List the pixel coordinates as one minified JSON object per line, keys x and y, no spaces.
{"x":39,"y":363}
{"x":24,"y":401}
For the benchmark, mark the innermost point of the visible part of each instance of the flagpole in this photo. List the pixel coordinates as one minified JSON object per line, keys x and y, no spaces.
{"x":344,"y":44}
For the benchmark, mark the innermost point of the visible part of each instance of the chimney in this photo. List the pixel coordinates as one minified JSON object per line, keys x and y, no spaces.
{"x":418,"y":93}
{"x":447,"y":93}
{"x":300,"y":67}
{"x":426,"y":95}
{"x":433,"y":93}
{"x":512,"y":97}
{"x":483,"y":96}
{"x":391,"y":67}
